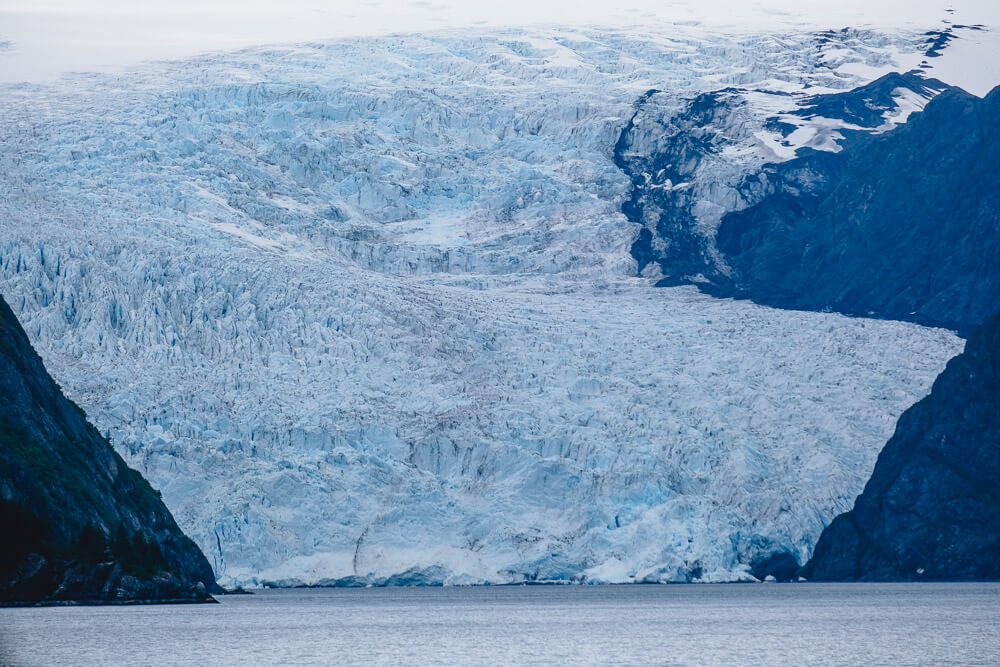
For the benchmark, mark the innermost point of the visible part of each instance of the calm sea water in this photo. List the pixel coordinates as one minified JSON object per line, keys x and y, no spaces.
{"x":791,"y":624}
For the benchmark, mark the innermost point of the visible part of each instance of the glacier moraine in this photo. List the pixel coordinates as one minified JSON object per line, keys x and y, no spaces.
{"x":365,"y":312}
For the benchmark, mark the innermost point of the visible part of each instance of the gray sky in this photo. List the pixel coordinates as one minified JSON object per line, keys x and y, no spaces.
{"x":41,"y":39}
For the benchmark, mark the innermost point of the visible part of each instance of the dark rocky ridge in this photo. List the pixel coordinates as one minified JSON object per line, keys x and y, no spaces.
{"x":902,"y":225}
{"x":863,"y":107}
{"x":79,"y":525}
{"x":931,"y":510}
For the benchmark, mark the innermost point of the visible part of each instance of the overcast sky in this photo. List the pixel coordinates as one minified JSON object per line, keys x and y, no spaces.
{"x":41,"y":39}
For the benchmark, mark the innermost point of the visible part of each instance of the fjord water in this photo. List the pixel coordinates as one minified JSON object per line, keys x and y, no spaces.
{"x":801,"y":624}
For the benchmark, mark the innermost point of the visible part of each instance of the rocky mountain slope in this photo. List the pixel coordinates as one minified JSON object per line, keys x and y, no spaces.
{"x":877,"y":201}
{"x":902,"y":224}
{"x":693,"y":162}
{"x":78,"y":524}
{"x":931,"y":509}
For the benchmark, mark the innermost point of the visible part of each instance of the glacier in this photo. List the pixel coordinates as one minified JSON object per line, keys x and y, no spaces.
{"x":365,"y":310}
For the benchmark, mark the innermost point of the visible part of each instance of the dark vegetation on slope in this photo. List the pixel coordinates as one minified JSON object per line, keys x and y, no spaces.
{"x":78,"y":524}
{"x":931,"y":510}
{"x":902,"y":225}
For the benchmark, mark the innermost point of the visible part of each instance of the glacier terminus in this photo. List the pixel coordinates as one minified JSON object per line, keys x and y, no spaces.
{"x":366,"y":311}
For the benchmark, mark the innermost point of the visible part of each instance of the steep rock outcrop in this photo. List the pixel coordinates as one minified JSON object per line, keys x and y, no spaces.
{"x":665,"y":150}
{"x":78,"y":524}
{"x":931,"y":509}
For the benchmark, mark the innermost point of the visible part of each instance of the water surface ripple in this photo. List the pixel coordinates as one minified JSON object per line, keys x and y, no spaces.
{"x":800,"y":624}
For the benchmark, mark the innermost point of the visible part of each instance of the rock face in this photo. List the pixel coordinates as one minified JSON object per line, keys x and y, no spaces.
{"x":693,"y":161}
{"x":932,"y":507}
{"x":900,"y":224}
{"x":78,"y":524}
{"x":665,"y":151}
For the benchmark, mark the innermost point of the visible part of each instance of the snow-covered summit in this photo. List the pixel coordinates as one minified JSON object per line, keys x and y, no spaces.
{"x":363,"y":309}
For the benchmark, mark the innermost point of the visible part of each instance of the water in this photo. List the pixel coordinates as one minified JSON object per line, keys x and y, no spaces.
{"x":792,"y":624}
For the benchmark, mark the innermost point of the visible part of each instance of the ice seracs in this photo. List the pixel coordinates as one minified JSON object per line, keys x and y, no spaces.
{"x":365,"y":311}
